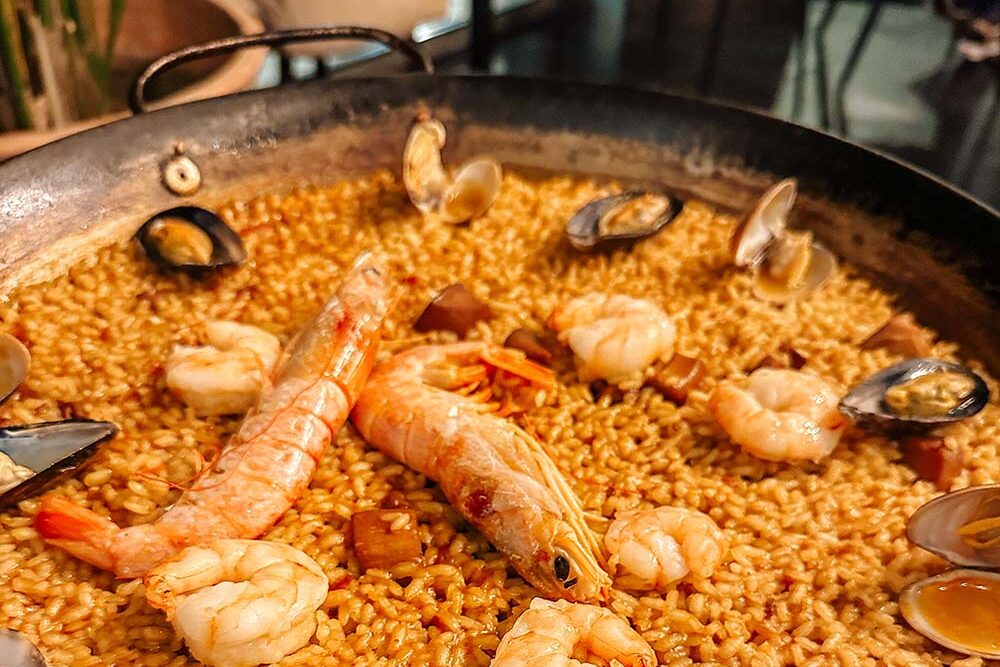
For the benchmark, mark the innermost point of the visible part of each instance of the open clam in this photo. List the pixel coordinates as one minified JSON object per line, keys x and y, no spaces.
{"x":959,"y":609}
{"x":14,"y":362}
{"x":190,"y":238}
{"x":455,"y":200}
{"x":786,"y":264}
{"x":916,"y":394}
{"x":621,"y":218}
{"x":43,"y":454}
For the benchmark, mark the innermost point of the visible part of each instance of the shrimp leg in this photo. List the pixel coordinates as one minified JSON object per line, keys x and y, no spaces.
{"x":270,"y":461}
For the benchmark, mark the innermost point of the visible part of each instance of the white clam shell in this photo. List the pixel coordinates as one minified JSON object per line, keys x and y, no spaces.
{"x":423,"y":173}
{"x":14,"y":363}
{"x":475,"y":188}
{"x":910,"y":607}
{"x":934,"y":526}
{"x":765,"y":221}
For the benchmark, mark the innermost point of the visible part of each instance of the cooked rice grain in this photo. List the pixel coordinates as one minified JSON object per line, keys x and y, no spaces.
{"x":818,"y":551}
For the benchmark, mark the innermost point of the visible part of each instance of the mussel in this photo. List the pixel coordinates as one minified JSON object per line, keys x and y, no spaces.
{"x":959,"y":608}
{"x":621,"y":218}
{"x":48,"y":452}
{"x":786,"y":264}
{"x":16,"y":650}
{"x":470,"y":194}
{"x":916,"y":394}
{"x":191,"y":239}
{"x":14,"y":362}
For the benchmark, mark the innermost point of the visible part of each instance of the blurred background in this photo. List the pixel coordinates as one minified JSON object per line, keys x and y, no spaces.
{"x":918,"y":79}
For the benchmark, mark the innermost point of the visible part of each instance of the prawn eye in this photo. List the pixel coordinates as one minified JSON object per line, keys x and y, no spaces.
{"x":561,"y":567}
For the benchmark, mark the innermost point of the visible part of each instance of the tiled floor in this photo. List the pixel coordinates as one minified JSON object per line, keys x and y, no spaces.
{"x":910,"y":94}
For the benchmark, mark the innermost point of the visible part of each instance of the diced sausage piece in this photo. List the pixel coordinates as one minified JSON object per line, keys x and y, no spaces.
{"x":770,"y":361}
{"x":796,"y":359}
{"x":678,"y":377}
{"x":534,"y":345}
{"x":931,"y":460}
{"x":900,"y":335}
{"x":455,"y":309}
{"x":385,"y":538}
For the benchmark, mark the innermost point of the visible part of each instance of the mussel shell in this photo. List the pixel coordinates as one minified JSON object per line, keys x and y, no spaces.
{"x":14,"y":363}
{"x":16,"y":650}
{"x":865,"y":403}
{"x":763,"y":223}
{"x":227,"y":246}
{"x":934,"y":526}
{"x":909,"y":607}
{"x":53,"y":450}
{"x":583,"y":229}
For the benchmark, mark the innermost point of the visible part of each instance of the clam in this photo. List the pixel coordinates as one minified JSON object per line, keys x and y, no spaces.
{"x":466,"y":196}
{"x":621,"y":218}
{"x":43,"y":454}
{"x":190,"y":238}
{"x":14,"y":362}
{"x":18,"y":651}
{"x":916,"y":394}
{"x":963,"y":527}
{"x":957,"y":609}
{"x":786,"y":264}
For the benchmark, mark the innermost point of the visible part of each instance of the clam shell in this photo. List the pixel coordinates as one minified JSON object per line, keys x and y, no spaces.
{"x":475,"y":188}
{"x":52,"y":449}
{"x":763,"y":223}
{"x":935,"y":525}
{"x":226,"y":245}
{"x":16,"y":650}
{"x":910,"y":606}
{"x":822,"y":267}
{"x":14,"y":363}
{"x":865,"y":403}
{"x":423,"y":173}
{"x":589,"y":227}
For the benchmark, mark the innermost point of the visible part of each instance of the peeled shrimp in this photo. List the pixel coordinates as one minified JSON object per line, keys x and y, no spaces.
{"x":781,"y":415}
{"x":614,"y":337}
{"x":226,"y":376}
{"x":652,"y":548}
{"x":269,"y":461}
{"x":562,"y":634}
{"x":490,"y":470}
{"x":238,"y":603}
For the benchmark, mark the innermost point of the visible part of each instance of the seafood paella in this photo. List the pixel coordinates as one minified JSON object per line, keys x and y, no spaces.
{"x":463,"y":415}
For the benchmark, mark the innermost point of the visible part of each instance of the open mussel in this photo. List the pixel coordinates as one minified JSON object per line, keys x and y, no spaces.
{"x":14,"y":362}
{"x":621,"y":218}
{"x":16,"y":650}
{"x":191,"y":239}
{"x":36,"y":456}
{"x":916,"y":394}
{"x":959,"y":608}
{"x":786,"y":264}
{"x":468,"y":195}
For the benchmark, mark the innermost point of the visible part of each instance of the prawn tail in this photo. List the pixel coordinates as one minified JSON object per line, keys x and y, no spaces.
{"x":517,"y":363}
{"x":83,"y":533}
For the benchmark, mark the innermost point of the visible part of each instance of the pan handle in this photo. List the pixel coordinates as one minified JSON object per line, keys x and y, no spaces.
{"x":137,"y":97}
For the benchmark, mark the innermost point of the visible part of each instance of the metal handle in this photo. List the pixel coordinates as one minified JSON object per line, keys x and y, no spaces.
{"x":137,"y":98}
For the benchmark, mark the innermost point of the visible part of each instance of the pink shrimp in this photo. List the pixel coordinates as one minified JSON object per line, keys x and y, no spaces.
{"x":491,"y":471}
{"x":271,"y":459}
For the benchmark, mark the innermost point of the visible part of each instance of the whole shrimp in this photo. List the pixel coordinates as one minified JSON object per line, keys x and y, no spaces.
{"x":226,"y":376}
{"x":490,"y":470}
{"x":563,"y":634}
{"x":652,"y":548}
{"x":781,"y":415}
{"x":238,"y":603}
{"x":269,"y":461}
{"x":613,"y":337}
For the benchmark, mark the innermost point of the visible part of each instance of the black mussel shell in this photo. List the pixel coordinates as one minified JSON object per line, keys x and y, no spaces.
{"x":190,"y":238}
{"x":52,"y":449}
{"x":866,"y":403}
{"x":16,"y":650}
{"x":585,"y":231}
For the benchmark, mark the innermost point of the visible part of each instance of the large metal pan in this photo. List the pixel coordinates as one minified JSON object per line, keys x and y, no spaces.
{"x":930,"y":243}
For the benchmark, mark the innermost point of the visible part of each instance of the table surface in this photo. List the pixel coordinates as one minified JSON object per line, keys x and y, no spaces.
{"x":885,"y":74}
